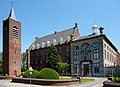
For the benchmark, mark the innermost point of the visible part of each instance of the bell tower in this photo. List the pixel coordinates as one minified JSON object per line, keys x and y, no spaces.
{"x":11,"y":45}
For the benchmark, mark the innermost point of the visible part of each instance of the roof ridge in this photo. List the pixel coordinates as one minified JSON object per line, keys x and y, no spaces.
{"x":56,"y":33}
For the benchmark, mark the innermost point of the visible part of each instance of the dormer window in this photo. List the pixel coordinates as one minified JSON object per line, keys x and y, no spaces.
{"x":54,"y":41}
{"x":43,"y":44}
{"x":61,"y":40}
{"x":48,"y":43}
{"x":68,"y":38}
{"x":37,"y":45}
{"x":33,"y":47}
{"x":15,"y":32}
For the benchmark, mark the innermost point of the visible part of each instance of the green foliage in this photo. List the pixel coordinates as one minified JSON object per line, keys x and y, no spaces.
{"x":60,"y":67}
{"x":48,"y":73}
{"x":53,"y":57}
{"x":22,"y":73}
{"x":109,"y":75}
{"x":117,"y":79}
{"x":24,"y":61}
{"x":34,"y":74}
{"x":117,"y":72}
{"x":1,"y":55}
{"x":1,"y":67}
{"x":87,"y":79}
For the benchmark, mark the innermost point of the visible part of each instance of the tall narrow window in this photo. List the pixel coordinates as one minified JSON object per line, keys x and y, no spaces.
{"x":108,"y":56}
{"x":76,"y":56}
{"x":76,"y":69}
{"x":67,"y":58}
{"x":96,"y":68}
{"x":59,"y":49}
{"x":41,"y":60}
{"x":95,"y":54}
{"x":95,"y":45}
{"x":67,"y":48}
{"x":105,"y":54}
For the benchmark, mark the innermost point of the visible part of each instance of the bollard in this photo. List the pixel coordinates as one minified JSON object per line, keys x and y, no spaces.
{"x":79,"y":79}
{"x":110,"y":78}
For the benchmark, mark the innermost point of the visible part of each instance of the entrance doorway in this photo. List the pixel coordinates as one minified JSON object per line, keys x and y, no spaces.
{"x":15,"y":72}
{"x":86,"y":70}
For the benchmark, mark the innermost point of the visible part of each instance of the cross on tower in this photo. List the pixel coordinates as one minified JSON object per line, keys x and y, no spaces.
{"x":12,"y":3}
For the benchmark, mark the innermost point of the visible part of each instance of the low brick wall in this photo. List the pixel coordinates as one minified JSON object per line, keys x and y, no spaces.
{"x":45,"y":81}
{"x":110,"y":84}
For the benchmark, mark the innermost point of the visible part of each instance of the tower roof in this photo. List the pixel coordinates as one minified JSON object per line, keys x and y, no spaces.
{"x":12,"y":14}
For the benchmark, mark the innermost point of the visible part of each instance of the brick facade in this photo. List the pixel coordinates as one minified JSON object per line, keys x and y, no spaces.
{"x":11,"y":47}
{"x":39,"y":57}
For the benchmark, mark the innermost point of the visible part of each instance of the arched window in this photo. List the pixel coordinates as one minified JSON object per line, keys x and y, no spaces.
{"x":85,"y":51}
{"x":15,"y":32}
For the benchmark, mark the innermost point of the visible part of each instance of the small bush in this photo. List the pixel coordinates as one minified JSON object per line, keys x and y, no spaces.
{"x":48,"y":73}
{"x":22,"y":73}
{"x":109,"y":75}
{"x":117,"y":79}
{"x":34,"y":74}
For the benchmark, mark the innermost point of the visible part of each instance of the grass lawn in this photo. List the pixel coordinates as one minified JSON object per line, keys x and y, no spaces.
{"x":87,"y":80}
{"x":64,"y":79}
{"x":82,"y":80}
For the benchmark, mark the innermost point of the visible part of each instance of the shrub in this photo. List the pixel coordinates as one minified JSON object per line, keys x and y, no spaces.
{"x":60,"y":67}
{"x":117,"y":79}
{"x":34,"y":74}
{"x":22,"y":73}
{"x":48,"y":73}
{"x":109,"y":75}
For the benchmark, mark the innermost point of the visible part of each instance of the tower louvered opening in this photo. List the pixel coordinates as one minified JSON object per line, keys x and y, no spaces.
{"x":15,"y":32}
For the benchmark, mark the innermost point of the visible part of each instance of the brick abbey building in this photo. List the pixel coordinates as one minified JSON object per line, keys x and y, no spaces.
{"x":11,"y":45}
{"x":86,"y":55}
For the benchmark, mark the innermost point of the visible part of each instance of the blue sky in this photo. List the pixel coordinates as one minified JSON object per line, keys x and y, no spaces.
{"x":43,"y":17}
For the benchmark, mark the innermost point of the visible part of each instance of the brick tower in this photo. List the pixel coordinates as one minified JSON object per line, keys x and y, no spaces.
{"x":11,"y":45}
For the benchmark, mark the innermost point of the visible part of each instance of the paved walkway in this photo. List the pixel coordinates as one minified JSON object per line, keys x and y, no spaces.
{"x":96,"y":83}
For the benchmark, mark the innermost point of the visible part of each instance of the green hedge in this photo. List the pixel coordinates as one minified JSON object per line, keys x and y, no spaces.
{"x":26,"y":74}
{"x":48,"y":73}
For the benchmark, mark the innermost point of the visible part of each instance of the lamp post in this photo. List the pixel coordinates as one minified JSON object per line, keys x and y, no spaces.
{"x":30,"y":69}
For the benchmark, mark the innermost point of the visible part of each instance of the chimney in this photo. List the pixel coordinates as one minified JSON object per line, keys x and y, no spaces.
{"x":36,"y":38}
{"x":76,"y":25}
{"x":55,"y":32}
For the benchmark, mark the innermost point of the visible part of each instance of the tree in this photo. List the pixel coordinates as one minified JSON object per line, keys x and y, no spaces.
{"x":61,"y":67}
{"x":24,"y":61}
{"x":1,"y":55}
{"x":53,"y":57}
